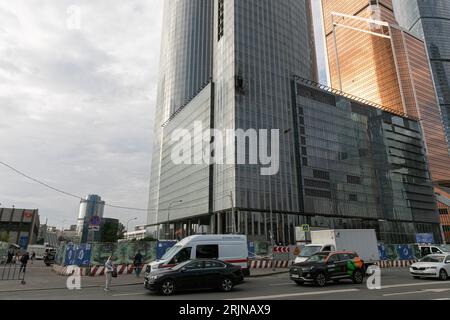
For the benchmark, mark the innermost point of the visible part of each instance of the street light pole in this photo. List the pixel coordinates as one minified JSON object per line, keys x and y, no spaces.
{"x":132,"y":219}
{"x":168,"y":216}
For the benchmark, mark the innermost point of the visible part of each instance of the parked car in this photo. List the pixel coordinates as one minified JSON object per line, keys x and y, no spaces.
{"x":195,"y":275}
{"x":432,"y":266}
{"x":324,"y":267}
{"x":229,"y":248}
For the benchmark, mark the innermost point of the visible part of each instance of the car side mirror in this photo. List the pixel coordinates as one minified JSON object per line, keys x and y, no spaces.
{"x":447,"y":262}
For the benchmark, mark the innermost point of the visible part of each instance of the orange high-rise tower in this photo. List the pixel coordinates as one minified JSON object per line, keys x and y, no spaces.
{"x":371,"y":57}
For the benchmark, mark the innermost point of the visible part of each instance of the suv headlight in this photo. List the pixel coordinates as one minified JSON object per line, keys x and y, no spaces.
{"x":153,"y":277}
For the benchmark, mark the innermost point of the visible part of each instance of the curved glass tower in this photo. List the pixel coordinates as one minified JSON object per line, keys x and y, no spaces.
{"x":430,"y":20}
{"x":185,"y":68}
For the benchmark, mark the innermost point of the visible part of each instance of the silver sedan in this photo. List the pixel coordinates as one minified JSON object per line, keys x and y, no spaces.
{"x":432,"y":266}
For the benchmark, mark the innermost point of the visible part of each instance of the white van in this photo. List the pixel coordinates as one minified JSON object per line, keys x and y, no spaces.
{"x":228,"y":248}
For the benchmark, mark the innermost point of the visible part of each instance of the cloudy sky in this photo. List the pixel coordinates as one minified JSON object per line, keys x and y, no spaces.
{"x":77,"y":98}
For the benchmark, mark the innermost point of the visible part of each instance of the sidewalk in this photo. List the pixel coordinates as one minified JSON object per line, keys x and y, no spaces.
{"x":41,"y":277}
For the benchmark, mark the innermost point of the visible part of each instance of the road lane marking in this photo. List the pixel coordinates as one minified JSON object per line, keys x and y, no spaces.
{"x":413,"y":285}
{"x":442,"y":299}
{"x":278,"y":296}
{"x":416,"y":292}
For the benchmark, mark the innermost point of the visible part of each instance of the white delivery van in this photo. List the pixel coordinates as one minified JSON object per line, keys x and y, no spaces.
{"x":39,"y":250}
{"x":361,"y":241}
{"x":228,"y":248}
{"x":310,"y":249}
{"x":426,"y":250}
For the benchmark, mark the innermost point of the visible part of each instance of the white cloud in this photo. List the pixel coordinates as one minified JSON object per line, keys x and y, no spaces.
{"x":76,"y":106}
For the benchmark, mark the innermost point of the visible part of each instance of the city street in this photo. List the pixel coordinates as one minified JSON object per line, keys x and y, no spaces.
{"x":396,"y":285}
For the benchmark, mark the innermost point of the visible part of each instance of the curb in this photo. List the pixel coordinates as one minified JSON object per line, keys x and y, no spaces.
{"x":268,"y":274}
{"x":83,"y":287}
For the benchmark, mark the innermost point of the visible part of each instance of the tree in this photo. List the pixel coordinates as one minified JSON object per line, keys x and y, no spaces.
{"x":4,"y":237}
{"x":112,"y":231}
{"x":121,"y":231}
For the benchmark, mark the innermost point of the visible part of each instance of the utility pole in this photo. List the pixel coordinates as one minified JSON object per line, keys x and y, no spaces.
{"x":232,"y":213}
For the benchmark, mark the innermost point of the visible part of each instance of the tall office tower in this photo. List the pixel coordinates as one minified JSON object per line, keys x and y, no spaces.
{"x":245,"y":51}
{"x":371,"y":57}
{"x":430,"y":20}
{"x":334,"y":167}
{"x":89,"y":218}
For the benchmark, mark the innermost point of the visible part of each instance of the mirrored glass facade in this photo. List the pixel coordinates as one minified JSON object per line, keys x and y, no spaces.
{"x":342,"y":164}
{"x":430,"y":21}
{"x":371,"y":57}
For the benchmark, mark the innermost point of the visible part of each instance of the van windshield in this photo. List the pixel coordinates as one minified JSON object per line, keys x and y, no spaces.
{"x":309,"y":251}
{"x":445,"y":248}
{"x":171,"y":252}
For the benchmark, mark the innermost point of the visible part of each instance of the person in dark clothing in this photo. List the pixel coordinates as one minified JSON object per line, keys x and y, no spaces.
{"x":137,"y":262}
{"x":10,"y":256}
{"x":24,"y":261}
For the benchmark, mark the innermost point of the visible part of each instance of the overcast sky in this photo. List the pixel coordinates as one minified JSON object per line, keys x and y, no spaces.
{"x":77,"y":100}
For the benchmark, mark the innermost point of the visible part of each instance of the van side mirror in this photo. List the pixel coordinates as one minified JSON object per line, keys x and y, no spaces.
{"x":447,"y":261}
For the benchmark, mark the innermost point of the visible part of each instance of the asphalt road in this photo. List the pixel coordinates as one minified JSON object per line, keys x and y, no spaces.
{"x":397,"y":284}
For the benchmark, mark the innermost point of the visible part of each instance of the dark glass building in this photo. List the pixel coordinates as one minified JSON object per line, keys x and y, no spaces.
{"x":430,"y":20}
{"x":340,"y":165}
{"x":362,"y":166}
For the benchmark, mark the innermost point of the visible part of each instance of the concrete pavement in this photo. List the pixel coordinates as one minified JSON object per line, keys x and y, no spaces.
{"x":397,"y":284}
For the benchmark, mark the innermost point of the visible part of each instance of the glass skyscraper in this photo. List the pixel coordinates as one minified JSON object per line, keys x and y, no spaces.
{"x":236,"y":65}
{"x":372,"y":57}
{"x":430,"y":20}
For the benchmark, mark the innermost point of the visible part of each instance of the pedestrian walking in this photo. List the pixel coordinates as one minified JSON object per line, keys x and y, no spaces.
{"x":24,"y":262}
{"x":10,"y":256}
{"x":109,"y":270}
{"x":33,"y":257}
{"x":137,"y":262}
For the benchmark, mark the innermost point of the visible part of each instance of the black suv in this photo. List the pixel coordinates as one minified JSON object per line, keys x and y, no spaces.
{"x":328,"y":266}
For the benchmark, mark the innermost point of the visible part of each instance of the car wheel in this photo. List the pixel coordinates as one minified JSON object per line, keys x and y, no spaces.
{"x":300,"y":283}
{"x":443,"y":275}
{"x":320,"y":280}
{"x":168,"y":288}
{"x":358,"y":277}
{"x":226,"y":285}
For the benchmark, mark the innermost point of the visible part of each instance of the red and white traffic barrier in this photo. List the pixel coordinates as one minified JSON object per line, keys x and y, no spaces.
{"x":395,"y":264}
{"x":268,"y":264}
{"x":281,"y":249}
{"x":94,"y":271}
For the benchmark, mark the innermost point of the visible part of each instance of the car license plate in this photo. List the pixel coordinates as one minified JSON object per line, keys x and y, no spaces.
{"x":295,"y":276}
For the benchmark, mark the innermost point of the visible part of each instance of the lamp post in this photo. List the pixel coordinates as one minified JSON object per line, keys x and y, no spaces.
{"x":168,"y":216}
{"x":132,"y":219}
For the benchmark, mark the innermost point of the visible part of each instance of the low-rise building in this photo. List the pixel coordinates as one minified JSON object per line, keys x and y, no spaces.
{"x":21,"y":226}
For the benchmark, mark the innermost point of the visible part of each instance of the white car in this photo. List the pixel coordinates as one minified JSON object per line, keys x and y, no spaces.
{"x":432,"y":266}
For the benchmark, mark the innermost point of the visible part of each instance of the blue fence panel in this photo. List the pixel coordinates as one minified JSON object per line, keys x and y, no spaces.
{"x":405,"y":252}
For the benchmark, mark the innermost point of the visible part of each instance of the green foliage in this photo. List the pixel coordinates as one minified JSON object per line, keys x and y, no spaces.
{"x":109,"y":232}
{"x":4,"y":237}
